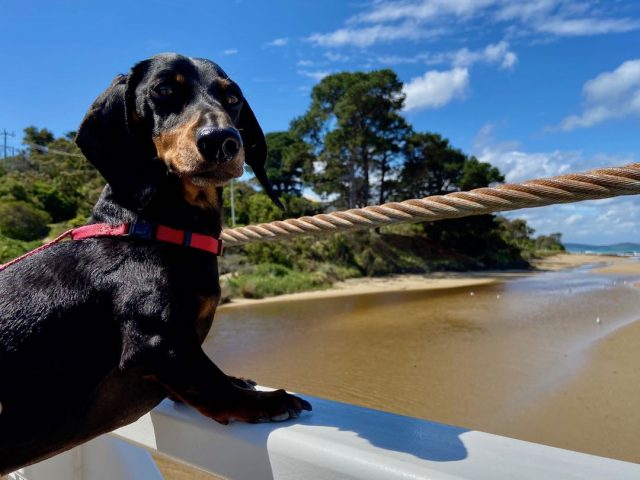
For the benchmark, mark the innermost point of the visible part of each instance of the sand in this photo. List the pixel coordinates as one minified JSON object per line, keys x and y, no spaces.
{"x":363,"y":286}
{"x":444,"y":280}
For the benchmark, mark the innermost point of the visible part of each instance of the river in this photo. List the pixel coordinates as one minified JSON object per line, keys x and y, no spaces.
{"x":505,"y":358}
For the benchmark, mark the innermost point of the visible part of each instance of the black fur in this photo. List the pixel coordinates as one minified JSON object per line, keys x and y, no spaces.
{"x":94,"y":333}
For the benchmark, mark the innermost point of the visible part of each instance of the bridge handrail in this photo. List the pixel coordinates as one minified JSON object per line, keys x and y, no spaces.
{"x":336,"y":441}
{"x":573,"y":187}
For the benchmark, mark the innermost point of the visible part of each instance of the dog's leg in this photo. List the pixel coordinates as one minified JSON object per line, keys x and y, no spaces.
{"x":193,"y":378}
{"x":239,"y":382}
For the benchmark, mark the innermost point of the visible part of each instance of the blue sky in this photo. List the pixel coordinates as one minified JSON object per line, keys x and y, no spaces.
{"x":536,"y":87}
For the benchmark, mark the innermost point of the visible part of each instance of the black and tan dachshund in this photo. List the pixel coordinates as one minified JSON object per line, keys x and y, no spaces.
{"x":96,"y":332}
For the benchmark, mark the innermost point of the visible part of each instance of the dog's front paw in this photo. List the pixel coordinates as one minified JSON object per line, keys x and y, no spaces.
{"x":257,"y":407}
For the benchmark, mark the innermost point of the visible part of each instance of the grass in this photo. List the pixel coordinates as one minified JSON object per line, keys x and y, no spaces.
{"x":270,"y":279}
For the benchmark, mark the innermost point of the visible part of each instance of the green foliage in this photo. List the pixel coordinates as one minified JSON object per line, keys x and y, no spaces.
{"x":288,"y":158}
{"x":62,"y":185}
{"x":22,"y":221}
{"x":60,"y":201}
{"x":269,"y":252}
{"x":550,"y":243}
{"x":270,"y":279}
{"x":253,"y":206}
{"x":262,"y":209}
{"x":11,"y":248}
{"x":37,"y":136}
{"x":518,"y":234}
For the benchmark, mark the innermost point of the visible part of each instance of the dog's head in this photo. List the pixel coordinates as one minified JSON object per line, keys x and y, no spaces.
{"x":172,"y":115}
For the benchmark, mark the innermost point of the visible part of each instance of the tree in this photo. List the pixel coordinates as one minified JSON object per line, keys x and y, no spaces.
{"x":477,"y":174}
{"x":356,"y":130}
{"x":516,"y":231}
{"x":37,"y":136}
{"x":287,"y":158}
{"x":432,"y":166}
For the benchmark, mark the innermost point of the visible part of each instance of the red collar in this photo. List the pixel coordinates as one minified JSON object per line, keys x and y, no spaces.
{"x":144,"y":230}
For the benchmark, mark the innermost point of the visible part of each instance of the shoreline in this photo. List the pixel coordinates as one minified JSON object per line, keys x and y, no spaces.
{"x":448,"y":280}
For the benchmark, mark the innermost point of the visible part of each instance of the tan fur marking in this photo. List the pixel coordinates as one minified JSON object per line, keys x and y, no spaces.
{"x":178,"y":147}
{"x":206,"y":312}
{"x":180,"y":78}
{"x":203,"y":197}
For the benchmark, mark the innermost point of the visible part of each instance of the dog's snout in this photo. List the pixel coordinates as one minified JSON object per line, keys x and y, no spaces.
{"x":218,"y":144}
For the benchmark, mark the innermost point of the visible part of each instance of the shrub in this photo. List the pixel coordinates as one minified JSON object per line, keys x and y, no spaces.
{"x":270,"y":279}
{"x":11,"y":248}
{"x":59,"y":204}
{"x":22,"y":221}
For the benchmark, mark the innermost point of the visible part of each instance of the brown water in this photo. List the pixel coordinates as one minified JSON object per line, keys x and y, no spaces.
{"x":486,"y":358}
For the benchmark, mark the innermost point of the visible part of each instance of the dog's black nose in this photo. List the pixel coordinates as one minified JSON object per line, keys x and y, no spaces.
{"x":218,"y":144}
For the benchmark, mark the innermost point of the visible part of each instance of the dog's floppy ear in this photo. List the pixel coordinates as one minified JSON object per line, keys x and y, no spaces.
{"x":255,"y":150}
{"x":112,"y":138}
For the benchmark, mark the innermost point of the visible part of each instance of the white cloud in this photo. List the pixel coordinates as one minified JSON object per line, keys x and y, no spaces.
{"x":387,"y":21}
{"x":316,"y":75}
{"x":586,"y":26}
{"x":597,"y":221}
{"x":497,"y":53}
{"x":608,"y":96}
{"x":494,"y":53}
{"x":435,"y":88}
{"x":336,"y":57}
{"x":230,"y":51}
{"x":574,"y":219}
{"x":367,"y":36}
{"x":278,"y":42}
{"x":518,"y":165}
{"x":422,"y":10}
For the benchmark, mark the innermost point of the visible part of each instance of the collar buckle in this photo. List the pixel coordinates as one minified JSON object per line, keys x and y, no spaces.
{"x":141,"y":229}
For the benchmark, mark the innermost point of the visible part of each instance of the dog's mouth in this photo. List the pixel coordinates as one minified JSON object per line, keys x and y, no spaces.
{"x":218,"y":175}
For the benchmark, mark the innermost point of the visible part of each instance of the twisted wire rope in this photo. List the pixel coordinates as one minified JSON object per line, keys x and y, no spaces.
{"x":573,"y":187}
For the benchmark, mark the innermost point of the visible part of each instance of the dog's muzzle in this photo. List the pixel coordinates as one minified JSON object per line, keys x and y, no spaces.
{"x":218,"y":145}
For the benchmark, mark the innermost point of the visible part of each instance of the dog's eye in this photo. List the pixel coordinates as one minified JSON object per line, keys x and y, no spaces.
{"x":163,"y":90}
{"x":232,"y":99}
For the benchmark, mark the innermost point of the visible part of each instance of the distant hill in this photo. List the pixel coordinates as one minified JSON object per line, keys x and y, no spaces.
{"x":617,"y":248}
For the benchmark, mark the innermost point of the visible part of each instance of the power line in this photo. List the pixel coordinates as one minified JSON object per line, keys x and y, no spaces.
{"x":43,"y":149}
{"x":6,"y":134}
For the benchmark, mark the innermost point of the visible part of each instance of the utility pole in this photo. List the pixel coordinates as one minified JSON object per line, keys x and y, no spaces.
{"x":233,"y":205}
{"x":6,"y":134}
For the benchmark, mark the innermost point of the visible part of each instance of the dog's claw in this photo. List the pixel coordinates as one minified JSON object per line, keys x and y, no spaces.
{"x":282,"y":417}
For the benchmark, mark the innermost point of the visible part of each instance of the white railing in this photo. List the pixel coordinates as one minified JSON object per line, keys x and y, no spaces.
{"x":336,"y":441}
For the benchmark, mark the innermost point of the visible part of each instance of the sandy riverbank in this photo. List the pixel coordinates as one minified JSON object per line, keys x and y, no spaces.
{"x":611,"y":264}
{"x":447,"y":280}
